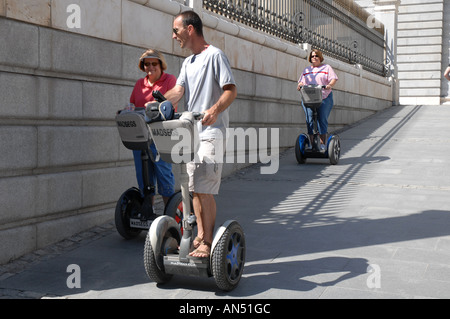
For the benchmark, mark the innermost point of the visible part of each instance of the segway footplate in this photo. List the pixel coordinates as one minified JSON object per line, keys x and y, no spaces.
{"x":198,"y":268}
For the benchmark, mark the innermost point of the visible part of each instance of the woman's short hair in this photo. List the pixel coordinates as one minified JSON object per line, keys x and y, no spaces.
{"x":318,"y":53}
{"x":150,"y":53}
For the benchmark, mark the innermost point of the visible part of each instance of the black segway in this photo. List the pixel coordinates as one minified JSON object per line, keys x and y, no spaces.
{"x":134,"y":212}
{"x":304,"y":148}
{"x":168,"y":245}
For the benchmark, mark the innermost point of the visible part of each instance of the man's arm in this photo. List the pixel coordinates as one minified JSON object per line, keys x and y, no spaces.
{"x":225,"y":100}
{"x":175,"y":94}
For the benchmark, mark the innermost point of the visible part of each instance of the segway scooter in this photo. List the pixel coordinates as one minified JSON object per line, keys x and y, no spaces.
{"x":304,"y":148}
{"x":167,"y":246}
{"x":134,"y":212}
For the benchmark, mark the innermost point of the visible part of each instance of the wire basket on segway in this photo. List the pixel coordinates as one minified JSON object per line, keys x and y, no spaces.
{"x":312,"y":96}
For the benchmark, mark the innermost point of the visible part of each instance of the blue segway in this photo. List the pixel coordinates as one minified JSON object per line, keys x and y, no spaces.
{"x":304,"y":148}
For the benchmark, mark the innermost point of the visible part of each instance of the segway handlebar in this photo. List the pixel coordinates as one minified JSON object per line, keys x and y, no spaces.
{"x":314,"y":86}
{"x":160,"y":98}
{"x":197,"y":115}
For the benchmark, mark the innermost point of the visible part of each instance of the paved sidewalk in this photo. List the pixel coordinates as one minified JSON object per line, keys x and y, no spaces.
{"x":375,"y":226}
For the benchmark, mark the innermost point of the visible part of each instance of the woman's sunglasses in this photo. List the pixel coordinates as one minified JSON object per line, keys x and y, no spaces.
{"x":151,"y":63}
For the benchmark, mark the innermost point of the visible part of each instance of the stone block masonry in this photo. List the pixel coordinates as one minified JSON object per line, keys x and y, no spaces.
{"x":62,"y":164}
{"x":419,"y":48}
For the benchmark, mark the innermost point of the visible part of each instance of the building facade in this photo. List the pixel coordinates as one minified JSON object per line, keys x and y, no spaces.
{"x":418,"y":37}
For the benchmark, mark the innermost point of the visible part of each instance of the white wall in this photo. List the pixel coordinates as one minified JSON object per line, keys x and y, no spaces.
{"x":445,"y":85}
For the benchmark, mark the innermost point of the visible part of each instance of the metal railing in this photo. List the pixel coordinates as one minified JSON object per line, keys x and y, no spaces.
{"x":338,"y":28}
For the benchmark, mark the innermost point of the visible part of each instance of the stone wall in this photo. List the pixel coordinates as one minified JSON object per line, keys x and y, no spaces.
{"x":445,"y":84}
{"x":420,"y":51}
{"x":418,"y":44}
{"x":62,"y":165}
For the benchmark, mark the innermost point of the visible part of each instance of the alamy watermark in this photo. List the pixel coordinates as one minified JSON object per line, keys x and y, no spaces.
{"x":74,"y":279}
{"x":249,"y":145}
{"x":74,"y":19}
{"x":372,"y":22}
{"x":373,"y":281}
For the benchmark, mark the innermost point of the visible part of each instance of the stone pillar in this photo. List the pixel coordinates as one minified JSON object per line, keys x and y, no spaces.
{"x":445,"y":84}
{"x":419,"y":51}
{"x":196,"y":5}
{"x":386,"y":11}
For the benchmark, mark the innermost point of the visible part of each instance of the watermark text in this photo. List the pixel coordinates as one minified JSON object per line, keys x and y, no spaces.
{"x":74,"y":279}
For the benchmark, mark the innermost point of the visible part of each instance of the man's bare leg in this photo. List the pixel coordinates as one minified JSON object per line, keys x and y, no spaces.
{"x":205,"y":211}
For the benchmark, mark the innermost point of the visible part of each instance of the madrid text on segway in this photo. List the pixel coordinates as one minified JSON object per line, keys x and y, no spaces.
{"x":306,"y":148}
{"x":169,"y":239}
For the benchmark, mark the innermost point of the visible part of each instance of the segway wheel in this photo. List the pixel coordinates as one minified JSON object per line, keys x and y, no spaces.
{"x":300,"y":145}
{"x":151,"y":266}
{"x":163,"y":238}
{"x":334,"y":150}
{"x":127,"y":205}
{"x":174,"y":208}
{"x":228,"y":258}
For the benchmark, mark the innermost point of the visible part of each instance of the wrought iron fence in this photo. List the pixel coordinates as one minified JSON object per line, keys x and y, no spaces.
{"x":339,"y":28}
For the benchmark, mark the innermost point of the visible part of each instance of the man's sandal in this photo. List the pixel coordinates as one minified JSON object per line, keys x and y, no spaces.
{"x":201,"y":251}
{"x":198,"y":240}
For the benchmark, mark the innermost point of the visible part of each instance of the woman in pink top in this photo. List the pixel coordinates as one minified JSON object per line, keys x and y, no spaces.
{"x":447,"y":73}
{"x":152,"y":62}
{"x":319,"y":74}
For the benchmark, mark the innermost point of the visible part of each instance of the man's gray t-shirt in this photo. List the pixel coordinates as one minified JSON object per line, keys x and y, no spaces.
{"x":203,"y":76}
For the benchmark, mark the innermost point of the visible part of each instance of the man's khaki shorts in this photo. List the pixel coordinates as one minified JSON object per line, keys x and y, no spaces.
{"x":205,"y":172}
